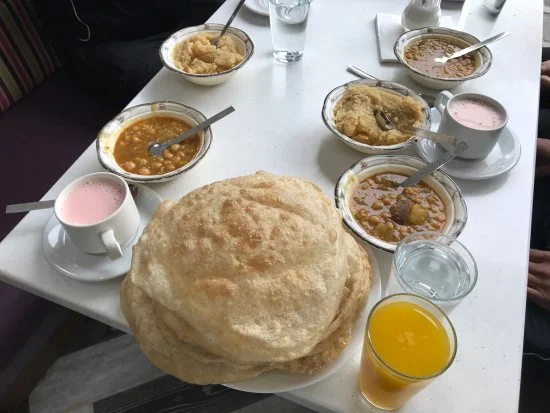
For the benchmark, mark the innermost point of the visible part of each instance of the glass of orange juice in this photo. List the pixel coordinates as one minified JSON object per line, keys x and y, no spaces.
{"x":408,"y":342}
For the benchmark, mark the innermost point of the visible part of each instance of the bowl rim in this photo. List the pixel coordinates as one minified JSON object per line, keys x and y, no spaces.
{"x":340,"y":200}
{"x":204,"y":148}
{"x":429,"y":31}
{"x":380,"y":84}
{"x":205,"y":28}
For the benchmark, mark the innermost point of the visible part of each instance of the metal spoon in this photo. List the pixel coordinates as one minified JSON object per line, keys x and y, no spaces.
{"x":386,"y":124}
{"x":471,"y":48}
{"x":215,"y":41}
{"x":430,"y":99}
{"x":156,"y":149}
{"x":432,"y":166}
{"x":33,"y":206}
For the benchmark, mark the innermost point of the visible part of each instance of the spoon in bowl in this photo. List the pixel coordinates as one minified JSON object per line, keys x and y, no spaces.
{"x":471,"y":48}
{"x":386,"y":124}
{"x":156,"y":148}
{"x":215,"y":41}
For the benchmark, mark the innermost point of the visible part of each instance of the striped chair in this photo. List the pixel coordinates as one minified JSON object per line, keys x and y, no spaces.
{"x":25,"y":59}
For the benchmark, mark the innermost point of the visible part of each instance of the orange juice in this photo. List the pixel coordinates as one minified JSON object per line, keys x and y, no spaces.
{"x":406,"y":346}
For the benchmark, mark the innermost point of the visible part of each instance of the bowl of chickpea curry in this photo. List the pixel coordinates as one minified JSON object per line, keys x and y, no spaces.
{"x":417,"y":49}
{"x":122,"y":144}
{"x":382,"y":213}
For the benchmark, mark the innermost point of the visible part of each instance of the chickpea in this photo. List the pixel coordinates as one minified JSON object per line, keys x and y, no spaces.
{"x":362,"y":214}
{"x":436,"y":225}
{"x":156,"y":165}
{"x":175,"y":147}
{"x":167,"y":154}
{"x":440,"y":218}
{"x":167,"y":162}
{"x":417,"y":200}
{"x":182,"y":154}
{"x":434,"y":209}
{"x":142,"y":162}
{"x":144,"y":171}
{"x":386,"y":200}
{"x":129,"y":166}
{"x":176,"y":159}
{"x":135,"y":139}
{"x":376,"y":205}
{"x":385,"y":215}
{"x":374,"y":219}
{"x":403,"y":230}
{"x":408,"y":191}
{"x":170,"y":168}
{"x":393,"y":196}
{"x":390,"y":225}
{"x":425,"y":205}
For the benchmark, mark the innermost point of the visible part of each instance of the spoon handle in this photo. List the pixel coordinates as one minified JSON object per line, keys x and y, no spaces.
{"x":232,"y":18}
{"x":432,"y":166}
{"x":479,"y":45}
{"x":29,"y":206}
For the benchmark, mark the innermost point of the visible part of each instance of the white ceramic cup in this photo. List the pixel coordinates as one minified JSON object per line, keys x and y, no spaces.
{"x":480,"y":141}
{"x":110,"y":234}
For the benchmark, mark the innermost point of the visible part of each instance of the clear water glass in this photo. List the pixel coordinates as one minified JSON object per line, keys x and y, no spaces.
{"x":434,"y":266}
{"x":288,"y":19}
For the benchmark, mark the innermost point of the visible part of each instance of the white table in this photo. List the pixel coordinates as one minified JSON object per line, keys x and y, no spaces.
{"x":277,"y":127}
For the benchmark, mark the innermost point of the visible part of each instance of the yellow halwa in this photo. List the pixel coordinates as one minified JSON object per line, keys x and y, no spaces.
{"x":354,"y":115}
{"x":198,"y":56}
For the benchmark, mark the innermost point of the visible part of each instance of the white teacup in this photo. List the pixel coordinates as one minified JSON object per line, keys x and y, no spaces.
{"x":99,"y":213}
{"x":476,"y":119}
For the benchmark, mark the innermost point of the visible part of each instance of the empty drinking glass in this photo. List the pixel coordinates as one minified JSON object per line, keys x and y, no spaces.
{"x":288,"y":19}
{"x":434,"y":266}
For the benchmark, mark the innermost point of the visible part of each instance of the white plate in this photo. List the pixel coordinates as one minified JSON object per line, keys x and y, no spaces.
{"x":502,"y":158}
{"x":64,"y":257}
{"x":258,"y":6}
{"x":278,"y":381}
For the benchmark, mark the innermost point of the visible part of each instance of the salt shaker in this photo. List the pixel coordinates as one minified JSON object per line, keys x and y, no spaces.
{"x":421,"y":13}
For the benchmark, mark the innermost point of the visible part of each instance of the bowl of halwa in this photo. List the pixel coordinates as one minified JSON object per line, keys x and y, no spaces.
{"x":382,"y":213}
{"x":349,"y":113}
{"x":417,"y":49}
{"x":190,"y":53}
{"x":122,"y":144}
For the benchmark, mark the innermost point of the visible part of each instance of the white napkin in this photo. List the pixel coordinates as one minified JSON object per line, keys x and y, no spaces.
{"x":388,"y":29}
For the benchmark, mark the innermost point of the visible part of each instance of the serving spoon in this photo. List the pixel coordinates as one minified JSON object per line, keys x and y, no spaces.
{"x":156,"y":148}
{"x":471,"y":48}
{"x":215,"y":41}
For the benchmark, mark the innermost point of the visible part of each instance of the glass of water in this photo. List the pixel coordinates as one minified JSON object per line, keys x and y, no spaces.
{"x":288,"y":19}
{"x":434,"y":266}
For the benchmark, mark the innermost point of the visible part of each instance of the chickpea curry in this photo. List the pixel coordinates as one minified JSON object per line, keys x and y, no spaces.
{"x":390,"y":212}
{"x":131,"y":153}
{"x":421,"y":54}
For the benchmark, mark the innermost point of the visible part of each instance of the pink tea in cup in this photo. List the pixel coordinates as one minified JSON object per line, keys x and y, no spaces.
{"x":476,"y":114}
{"x":92,"y":202}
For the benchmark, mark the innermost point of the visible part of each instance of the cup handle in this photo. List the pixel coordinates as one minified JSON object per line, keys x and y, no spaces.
{"x":441,"y":100}
{"x":111,"y":244}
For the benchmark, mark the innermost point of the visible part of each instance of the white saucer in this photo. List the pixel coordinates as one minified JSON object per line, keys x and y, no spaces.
{"x":64,"y":257}
{"x":258,"y":6}
{"x":502,"y":158}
